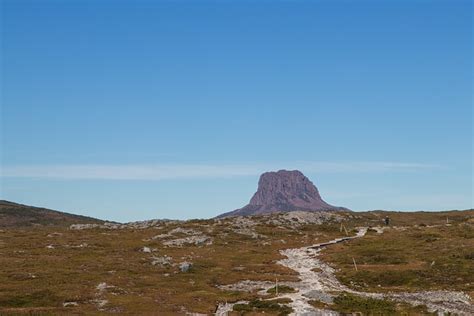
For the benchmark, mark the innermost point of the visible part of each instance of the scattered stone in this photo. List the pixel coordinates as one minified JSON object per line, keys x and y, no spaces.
{"x":245,"y":226}
{"x":185,"y":266}
{"x":83,"y":245}
{"x":319,"y":296}
{"x":154,"y":223}
{"x":83,"y":226}
{"x":193,"y":237}
{"x":161,"y":261}
{"x":223,"y":309}
{"x":193,"y":240}
{"x":442,"y":302}
{"x":160,"y":236}
{"x":99,"y":303}
{"x":177,"y":231}
{"x":184,"y":231}
{"x":239,"y":268}
{"x":247,"y":286}
{"x":296,"y":219}
{"x":378,"y":229}
{"x":146,"y":250}
{"x":54,"y":235}
{"x":70,"y":304}
{"x":102,"y":287}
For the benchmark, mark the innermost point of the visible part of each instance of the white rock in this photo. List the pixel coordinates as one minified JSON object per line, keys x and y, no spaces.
{"x":146,"y":250}
{"x":161,"y":261}
{"x":185,"y":266}
{"x":101,"y":287}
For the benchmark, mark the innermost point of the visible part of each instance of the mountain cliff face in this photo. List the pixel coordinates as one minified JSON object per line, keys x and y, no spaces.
{"x":283,"y":191}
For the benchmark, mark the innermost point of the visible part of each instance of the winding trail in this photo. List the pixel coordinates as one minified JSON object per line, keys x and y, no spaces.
{"x":317,"y":278}
{"x":313,"y":284}
{"x":318,"y":282}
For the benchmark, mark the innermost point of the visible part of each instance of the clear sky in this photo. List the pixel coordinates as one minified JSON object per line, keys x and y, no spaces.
{"x":129,"y":110}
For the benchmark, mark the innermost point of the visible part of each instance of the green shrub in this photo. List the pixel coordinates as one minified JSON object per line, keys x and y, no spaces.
{"x":263,"y":306}
{"x":281,"y":289}
{"x":349,"y":303}
{"x":38,"y":298}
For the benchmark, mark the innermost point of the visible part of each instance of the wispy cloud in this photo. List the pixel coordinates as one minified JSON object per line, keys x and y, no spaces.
{"x":191,"y":171}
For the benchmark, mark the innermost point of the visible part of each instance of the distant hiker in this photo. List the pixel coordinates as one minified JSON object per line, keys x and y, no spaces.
{"x":387,"y":221}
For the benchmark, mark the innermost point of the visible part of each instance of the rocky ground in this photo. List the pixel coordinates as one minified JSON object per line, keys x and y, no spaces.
{"x":318,"y":282}
{"x":296,"y":263}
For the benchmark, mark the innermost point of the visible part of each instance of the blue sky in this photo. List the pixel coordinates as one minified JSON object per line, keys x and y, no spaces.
{"x":130,"y":110}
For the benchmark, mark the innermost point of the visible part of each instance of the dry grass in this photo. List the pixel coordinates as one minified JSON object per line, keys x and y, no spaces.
{"x":35,"y":278}
{"x":420,"y":257}
{"x":38,"y":280}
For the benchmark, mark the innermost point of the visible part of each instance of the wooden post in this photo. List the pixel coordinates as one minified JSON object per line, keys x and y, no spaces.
{"x":355,"y":265}
{"x":276,"y":286}
{"x":345,"y":230}
{"x":447,"y":220}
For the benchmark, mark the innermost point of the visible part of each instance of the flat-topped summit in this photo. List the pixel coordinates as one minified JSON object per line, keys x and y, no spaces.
{"x":283,"y":191}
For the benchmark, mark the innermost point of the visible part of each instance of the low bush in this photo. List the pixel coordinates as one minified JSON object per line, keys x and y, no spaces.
{"x":348,"y":303}
{"x":263,"y":306}
{"x":281,"y":289}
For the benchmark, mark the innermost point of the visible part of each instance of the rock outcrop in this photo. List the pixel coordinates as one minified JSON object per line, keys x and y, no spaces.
{"x":283,"y":191}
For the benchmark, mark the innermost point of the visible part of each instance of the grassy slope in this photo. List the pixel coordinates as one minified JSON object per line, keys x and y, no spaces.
{"x":18,"y":215}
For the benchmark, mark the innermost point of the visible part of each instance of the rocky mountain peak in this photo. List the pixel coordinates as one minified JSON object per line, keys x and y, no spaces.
{"x":283,"y":191}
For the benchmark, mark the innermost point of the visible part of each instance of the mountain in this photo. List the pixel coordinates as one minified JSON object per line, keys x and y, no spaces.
{"x":284,"y":191}
{"x":18,"y":215}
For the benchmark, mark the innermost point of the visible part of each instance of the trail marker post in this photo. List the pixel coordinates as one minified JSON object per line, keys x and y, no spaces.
{"x":355,"y":265}
{"x":345,"y":229}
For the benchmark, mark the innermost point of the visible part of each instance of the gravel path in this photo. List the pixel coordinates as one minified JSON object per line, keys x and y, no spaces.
{"x":318,"y":280}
